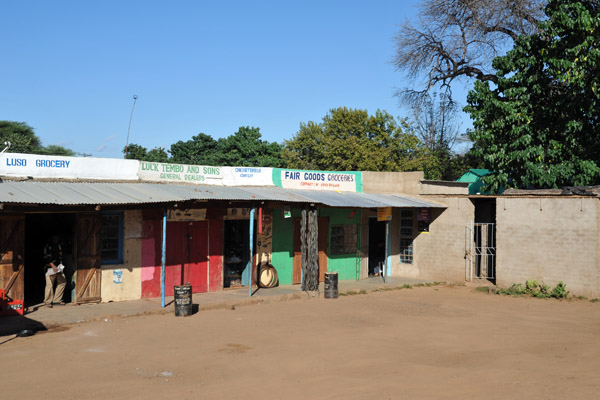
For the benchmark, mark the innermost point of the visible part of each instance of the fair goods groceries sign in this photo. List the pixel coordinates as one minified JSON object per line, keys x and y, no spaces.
{"x":318,"y":180}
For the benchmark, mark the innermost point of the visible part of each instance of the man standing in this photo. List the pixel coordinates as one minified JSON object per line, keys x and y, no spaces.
{"x":54,"y":273}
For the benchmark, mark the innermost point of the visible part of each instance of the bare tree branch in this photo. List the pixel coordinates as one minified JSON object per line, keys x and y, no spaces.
{"x":459,"y":38}
{"x":434,"y":119}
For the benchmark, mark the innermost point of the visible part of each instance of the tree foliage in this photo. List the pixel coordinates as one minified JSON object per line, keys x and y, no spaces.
{"x":23,"y":139}
{"x":459,"y":38}
{"x":157,"y":154}
{"x":243,"y":148}
{"x":135,"y":151}
{"x":352,"y":140}
{"x":200,"y":149}
{"x":56,"y":150}
{"x":538,"y":126}
{"x":246,"y":148}
{"x":21,"y":136}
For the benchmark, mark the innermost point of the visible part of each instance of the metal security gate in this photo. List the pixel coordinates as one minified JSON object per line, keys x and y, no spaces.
{"x":480,"y":251}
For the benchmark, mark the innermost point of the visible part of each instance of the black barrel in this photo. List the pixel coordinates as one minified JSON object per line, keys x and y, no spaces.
{"x":331,"y":285}
{"x":183,"y":300}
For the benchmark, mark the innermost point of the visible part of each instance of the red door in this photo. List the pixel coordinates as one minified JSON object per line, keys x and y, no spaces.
{"x":196,"y":269}
{"x":187,"y":256}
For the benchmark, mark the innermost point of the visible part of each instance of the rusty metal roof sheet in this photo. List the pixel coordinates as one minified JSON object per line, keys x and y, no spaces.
{"x":96,"y":193}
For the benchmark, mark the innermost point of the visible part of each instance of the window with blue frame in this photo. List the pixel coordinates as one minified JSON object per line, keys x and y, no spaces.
{"x":112,"y":237}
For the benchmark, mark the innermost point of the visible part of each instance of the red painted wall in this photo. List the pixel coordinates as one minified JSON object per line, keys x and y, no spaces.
{"x":151,"y":251}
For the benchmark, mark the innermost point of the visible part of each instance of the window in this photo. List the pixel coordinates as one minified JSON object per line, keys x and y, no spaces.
{"x":343,"y":239}
{"x":112,"y":237}
{"x":406,"y":236}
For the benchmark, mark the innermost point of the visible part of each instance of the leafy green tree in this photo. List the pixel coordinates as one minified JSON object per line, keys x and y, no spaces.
{"x":157,"y":154}
{"x":200,"y":150}
{"x":55,"y":150}
{"x":351,"y":139}
{"x":135,"y":152}
{"x":21,"y":136}
{"x":538,"y":127}
{"x":246,"y":148}
{"x":243,"y":148}
{"x":23,"y":139}
{"x":138,"y":152}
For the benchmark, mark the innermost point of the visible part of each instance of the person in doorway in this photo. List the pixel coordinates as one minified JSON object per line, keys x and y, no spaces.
{"x":54,"y":272}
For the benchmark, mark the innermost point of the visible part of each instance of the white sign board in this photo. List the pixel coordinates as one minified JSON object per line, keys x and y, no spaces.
{"x":38,"y":166}
{"x":247,"y":176}
{"x":180,"y":173}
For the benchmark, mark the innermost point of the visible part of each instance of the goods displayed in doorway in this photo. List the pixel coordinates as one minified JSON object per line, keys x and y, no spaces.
{"x":267,"y":276}
{"x":309,"y":235}
{"x":10,"y":307}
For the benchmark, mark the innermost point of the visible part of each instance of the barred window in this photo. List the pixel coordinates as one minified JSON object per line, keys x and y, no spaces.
{"x":343,"y":239}
{"x":112,"y":237}
{"x":406,"y":236}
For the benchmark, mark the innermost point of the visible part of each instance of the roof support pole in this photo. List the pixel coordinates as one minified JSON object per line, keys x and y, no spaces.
{"x":251,"y":262}
{"x":163,"y":258}
{"x":388,"y":248}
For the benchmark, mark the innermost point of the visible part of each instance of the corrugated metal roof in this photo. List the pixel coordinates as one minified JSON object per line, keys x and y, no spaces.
{"x":80,"y":193}
{"x":363,"y":200}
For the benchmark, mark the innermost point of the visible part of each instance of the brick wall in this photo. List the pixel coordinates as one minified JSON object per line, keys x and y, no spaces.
{"x":439,"y":254}
{"x":548,"y":239}
{"x":392,"y":182}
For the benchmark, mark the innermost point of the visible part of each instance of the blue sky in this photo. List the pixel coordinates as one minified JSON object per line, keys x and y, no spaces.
{"x":71,"y":68}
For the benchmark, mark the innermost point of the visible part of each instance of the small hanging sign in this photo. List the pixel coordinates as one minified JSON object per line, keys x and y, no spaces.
{"x":424,"y":215}
{"x":287,"y":212}
{"x":384,"y":214}
{"x":193,"y":214}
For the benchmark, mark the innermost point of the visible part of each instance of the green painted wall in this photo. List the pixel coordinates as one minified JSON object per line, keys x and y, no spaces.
{"x":283,"y":250}
{"x":346,"y":265}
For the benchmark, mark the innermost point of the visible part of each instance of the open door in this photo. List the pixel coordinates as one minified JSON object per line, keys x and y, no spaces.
{"x":12,"y":239}
{"x":89,"y":257}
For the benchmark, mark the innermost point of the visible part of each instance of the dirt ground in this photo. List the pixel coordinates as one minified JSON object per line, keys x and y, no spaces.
{"x":421,"y":343}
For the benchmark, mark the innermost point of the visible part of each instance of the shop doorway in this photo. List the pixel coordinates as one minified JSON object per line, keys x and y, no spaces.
{"x":480,"y":241}
{"x":236,"y":249}
{"x":39,"y":229}
{"x":376,"y":246}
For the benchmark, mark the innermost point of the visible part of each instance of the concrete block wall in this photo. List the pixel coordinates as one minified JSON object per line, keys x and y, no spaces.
{"x":392,"y":182}
{"x":548,"y":239}
{"x":439,"y":254}
{"x":123,"y":281}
